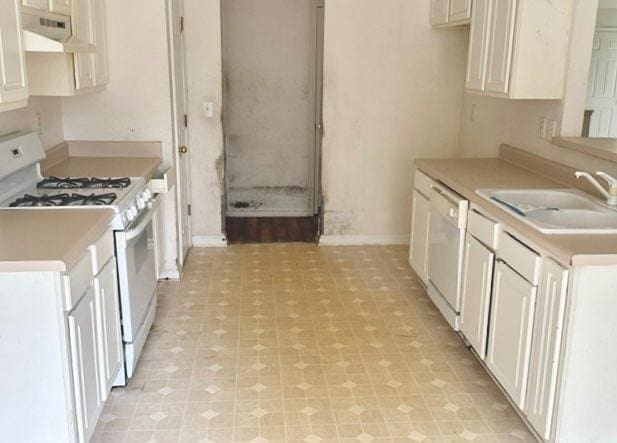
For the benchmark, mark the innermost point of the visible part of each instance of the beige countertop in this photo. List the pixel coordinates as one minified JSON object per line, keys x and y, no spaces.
{"x":465,"y":176}
{"x":105,"y":167}
{"x":48,"y":239}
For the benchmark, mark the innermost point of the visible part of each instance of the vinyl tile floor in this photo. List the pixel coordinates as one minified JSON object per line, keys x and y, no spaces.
{"x":304,"y":343}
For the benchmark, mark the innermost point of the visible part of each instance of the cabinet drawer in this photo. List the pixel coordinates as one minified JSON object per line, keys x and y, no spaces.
{"x":162,"y":181}
{"x":422,"y":183}
{"x":102,"y":251}
{"x":520,"y":257}
{"x":484,"y":229}
{"x":77,"y":281}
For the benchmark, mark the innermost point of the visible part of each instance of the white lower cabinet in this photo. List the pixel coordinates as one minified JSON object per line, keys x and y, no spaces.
{"x":476,"y":293}
{"x":108,"y":326}
{"x":85,"y":364}
{"x":511,"y":327}
{"x":418,"y":255}
{"x":547,"y":335}
{"x":13,"y":77}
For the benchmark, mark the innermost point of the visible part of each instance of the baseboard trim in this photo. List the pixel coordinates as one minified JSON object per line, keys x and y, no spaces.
{"x":363,"y":240}
{"x":208,"y":241}
{"x":169,"y":274}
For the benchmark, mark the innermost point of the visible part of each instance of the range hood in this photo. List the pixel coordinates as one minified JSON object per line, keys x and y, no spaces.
{"x":44,"y":32}
{"x":34,"y":42}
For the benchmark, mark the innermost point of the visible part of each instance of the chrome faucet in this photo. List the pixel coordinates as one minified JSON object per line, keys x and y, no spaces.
{"x":611,"y":194}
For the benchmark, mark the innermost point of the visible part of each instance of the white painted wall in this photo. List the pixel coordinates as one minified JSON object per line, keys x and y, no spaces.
{"x":25,"y":119}
{"x":393,"y":91}
{"x":136,"y":104}
{"x":204,"y":78}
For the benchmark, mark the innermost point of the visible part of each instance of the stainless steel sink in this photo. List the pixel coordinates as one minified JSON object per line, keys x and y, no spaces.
{"x":555,"y":211}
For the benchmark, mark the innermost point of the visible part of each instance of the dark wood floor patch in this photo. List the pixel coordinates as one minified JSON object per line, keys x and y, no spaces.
{"x":271,"y":229}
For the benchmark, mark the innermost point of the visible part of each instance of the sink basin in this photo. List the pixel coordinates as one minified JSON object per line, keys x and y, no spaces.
{"x":555,"y":211}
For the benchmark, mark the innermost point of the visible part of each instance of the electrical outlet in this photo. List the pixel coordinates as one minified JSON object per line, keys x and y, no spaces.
{"x":472,"y":113}
{"x":38,"y":123}
{"x":551,"y":130}
{"x":542,"y":123}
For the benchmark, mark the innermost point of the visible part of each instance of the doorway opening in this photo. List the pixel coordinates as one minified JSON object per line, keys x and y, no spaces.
{"x":272,"y":96}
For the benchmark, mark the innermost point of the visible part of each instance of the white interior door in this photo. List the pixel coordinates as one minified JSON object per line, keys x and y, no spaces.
{"x":602,"y":85}
{"x":270,"y":56}
{"x":182,"y":154}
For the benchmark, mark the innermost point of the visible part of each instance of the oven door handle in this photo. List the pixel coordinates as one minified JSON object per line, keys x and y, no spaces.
{"x":145,"y":221}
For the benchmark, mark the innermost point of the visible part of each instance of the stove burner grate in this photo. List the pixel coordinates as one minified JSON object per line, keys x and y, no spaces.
{"x":31,"y":201}
{"x":83,"y":183}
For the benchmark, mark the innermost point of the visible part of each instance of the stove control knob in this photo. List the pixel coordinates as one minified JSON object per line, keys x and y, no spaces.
{"x":129,"y":215}
{"x":134,"y":211}
{"x":147,"y":195}
{"x":141,"y":203}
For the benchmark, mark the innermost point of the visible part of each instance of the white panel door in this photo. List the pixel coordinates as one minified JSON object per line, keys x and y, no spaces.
{"x":459,"y":10}
{"x":418,"y":255}
{"x":602,"y":86}
{"x":476,"y":293}
{"x":501,"y":40}
{"x":85,"y":364}
{"x":13,"y":78}
{"x":36,"y":4}
{"x":83,"y":29}
{"x":108,"y":326}
{"x":101,"y":66}
{"x":510,"y":331}
{"x":478,"y":46}
{"x":60,"y":6}
{"x":439,"y":12}
{"x":547,"y":335}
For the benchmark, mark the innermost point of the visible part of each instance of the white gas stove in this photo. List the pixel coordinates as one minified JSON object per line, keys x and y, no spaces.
{"x":22,"y":186}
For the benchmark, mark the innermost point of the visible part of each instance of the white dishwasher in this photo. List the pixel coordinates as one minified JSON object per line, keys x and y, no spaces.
{"x":448,"y":223}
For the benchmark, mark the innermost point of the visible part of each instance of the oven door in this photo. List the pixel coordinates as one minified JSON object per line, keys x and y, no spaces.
{"x":136,"y":272}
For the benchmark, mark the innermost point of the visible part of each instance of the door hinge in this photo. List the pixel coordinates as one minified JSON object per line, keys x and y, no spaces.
{"x":181,"y":24}
{"x":186,"y":121}
{"x":189,"y":210}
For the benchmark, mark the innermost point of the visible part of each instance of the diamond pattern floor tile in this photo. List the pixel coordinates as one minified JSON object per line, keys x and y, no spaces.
{"x":296,"y":342}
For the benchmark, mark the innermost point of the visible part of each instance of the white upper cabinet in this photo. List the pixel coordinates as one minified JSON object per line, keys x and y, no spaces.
{"x":510,"y":331}
{"x":13,"y":77}
{"x":502,"y":15}
{"x":547,"y":335}
{"x":519,"y":49}
{"x":83,"y":29}
{"x":60,"y":6}
{"x":476,"y":293}
{"x":459,"y":11}
{"x":439,"y":12}
{"x":101,"y":67}
{"x":36,"y":4}
{"x":478,"y":46}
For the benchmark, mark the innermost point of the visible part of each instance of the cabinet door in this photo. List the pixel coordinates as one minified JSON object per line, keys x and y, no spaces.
{"x":36,"y":4}
{"x":60,"y":6}
{"x":501,"y":39}
{"x":418,"y":257}
{"x":476,"y":293}
{"x":459,"y":10}
{"x":101,"y":74}
{"x":109,"y":326}
{"x":439,"y":12}
{"x":83,"y":29}
{"x":547,"y":334}
{"x":510,"y":331}
{"x":85,"y":364}
{"x":478,"y":45}
{"x":13,"y":83}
